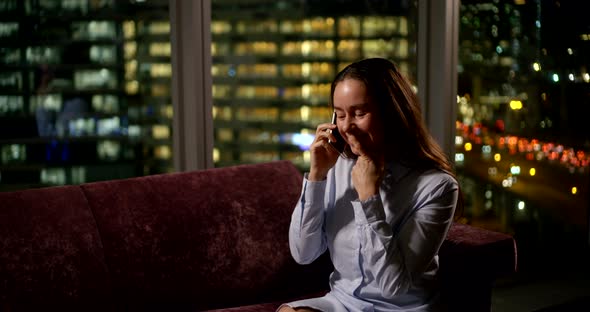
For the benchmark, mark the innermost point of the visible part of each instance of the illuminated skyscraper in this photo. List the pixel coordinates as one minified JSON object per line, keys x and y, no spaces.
{"x":273,"y":62}
{"x":84,"y":91}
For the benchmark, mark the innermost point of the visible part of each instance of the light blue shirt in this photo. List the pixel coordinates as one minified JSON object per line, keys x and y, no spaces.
{"x":384,"y":249}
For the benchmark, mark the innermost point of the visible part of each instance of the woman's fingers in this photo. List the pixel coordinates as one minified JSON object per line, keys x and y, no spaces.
{"x":323,"y":136}
{"x":323,"y":156}
{"x":325,"y":126}
{"x":365,"y":177}
{"x":324,"y":133}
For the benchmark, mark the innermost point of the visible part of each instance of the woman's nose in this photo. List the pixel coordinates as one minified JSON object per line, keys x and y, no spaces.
{"x":346,"y":124}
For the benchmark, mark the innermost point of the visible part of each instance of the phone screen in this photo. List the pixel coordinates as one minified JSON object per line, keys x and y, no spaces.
{"x":339,"y":144}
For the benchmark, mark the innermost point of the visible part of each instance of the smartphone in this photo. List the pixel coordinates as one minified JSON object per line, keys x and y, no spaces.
{"x":339,"y":144}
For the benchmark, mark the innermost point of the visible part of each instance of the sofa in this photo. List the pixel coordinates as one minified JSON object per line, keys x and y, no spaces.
{"x":213,"y":239}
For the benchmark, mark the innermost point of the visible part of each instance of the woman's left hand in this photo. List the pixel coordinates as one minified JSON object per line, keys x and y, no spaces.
{"x":367,"y":173}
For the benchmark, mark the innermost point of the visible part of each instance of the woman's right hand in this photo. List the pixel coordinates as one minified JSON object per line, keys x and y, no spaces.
{"x":323,"y":156}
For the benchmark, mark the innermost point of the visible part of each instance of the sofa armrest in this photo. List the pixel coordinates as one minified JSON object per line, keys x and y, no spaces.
{"x":470,"y":249}
{"x":471,"y":259}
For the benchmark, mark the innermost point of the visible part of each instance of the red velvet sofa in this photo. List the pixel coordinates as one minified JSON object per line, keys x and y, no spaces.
{"x":195,"y":241}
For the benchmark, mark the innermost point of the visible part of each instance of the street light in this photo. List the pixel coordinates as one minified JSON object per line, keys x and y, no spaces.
{"x":515,"y":105}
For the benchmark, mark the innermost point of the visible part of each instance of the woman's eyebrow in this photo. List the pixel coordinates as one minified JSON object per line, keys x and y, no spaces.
{"x":358,"y":106}
{"x":352,"y":107}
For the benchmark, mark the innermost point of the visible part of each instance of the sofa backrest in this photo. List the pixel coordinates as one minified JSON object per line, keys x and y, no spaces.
{"x":201,"y":239}
{"x":196,"y":240}
{"x":50,"y":251}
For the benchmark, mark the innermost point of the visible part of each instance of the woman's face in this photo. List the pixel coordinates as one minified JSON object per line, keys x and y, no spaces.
{"x":357,"y":117}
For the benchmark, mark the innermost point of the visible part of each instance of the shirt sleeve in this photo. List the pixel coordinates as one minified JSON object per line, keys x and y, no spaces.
{"x":307,"y":240}
{"x":393,"y":259}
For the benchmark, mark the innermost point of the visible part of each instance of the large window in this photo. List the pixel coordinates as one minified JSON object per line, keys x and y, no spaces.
{"x":86,"y":94}
{"x":84,"y":91}
{"x":273,"y":62}
{"x":523,"y":138}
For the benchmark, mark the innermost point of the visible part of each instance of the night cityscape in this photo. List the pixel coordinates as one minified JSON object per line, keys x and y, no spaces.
{"x":522,"y":103}
{"x":85,"y":96}
{"x":522,"y":132}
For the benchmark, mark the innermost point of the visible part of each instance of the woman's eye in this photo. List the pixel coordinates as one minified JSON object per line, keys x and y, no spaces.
{"x":360,"y":114}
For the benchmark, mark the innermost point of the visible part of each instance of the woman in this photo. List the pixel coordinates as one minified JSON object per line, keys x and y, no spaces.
{"x":383,"y":207}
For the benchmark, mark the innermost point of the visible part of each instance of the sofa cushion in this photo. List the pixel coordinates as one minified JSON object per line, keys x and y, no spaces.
{"x":261,"y":307}
{"x":50,"y":251}
{"x":268,"y":306}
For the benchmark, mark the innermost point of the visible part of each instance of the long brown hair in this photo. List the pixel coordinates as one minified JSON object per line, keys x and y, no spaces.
{"x":406,"y":137}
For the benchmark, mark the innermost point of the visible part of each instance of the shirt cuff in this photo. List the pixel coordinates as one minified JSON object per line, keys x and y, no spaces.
{"x":369,"y":210}
{"x":313,"y":190}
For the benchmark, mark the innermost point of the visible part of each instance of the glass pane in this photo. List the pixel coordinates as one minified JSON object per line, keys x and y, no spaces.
{"x":523,"y":139}
{"x":86,"y":97}
{"x":273,"y":62}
